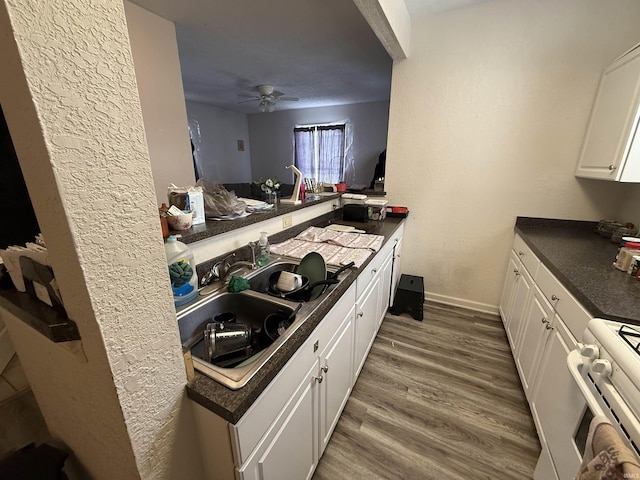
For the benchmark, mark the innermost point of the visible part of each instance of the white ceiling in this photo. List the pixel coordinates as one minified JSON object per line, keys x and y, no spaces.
{"x":322,"y":52}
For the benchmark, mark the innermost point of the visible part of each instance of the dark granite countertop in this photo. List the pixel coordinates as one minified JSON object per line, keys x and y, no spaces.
{"x":216,"y":227}
{"x":582,"y":261}
{"x":232,"y":404}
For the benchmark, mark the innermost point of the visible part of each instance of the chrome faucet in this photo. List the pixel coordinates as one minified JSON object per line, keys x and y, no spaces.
{"x":224,"y":268}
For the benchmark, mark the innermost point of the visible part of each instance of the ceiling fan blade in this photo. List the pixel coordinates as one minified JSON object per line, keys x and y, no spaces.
{"x":289,"y":99}
{"x":254,"y":99}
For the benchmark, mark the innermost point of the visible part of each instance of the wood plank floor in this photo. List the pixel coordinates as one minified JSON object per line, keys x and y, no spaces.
{"x":438,"y":399}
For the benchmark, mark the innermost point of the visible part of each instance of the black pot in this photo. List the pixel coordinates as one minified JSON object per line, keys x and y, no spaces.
{"x":308,"y":290}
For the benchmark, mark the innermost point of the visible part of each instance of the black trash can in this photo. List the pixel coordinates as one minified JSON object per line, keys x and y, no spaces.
{"x":409,"y":297}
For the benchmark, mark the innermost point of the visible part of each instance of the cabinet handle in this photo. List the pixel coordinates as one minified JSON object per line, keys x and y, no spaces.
{"x":544,"y":320}
{"x":360,"y":314}
{"x":521,"y":254}
{"x":517,"y":273}
{"x":325,"y":369}
{"x":612,"y":168}
{"x":548,"y":326}
{"x":319,"y":379}
{"x":554,"y":298}
{"x":374,"y":270}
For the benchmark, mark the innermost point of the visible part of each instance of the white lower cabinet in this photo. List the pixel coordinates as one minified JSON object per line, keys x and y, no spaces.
{"x":396,"y":264}
{"x":542,"y":320}
{"x":289,"y":451}
{"x":386,"y":281}
{"x":537,"y":326}
{"x":366,"y":323}
{"x":335,"y":387}
{"x":522,"y":293}
{"x":510,"y":282}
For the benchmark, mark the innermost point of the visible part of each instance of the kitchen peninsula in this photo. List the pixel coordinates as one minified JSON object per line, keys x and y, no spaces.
{"x":305,"y":383}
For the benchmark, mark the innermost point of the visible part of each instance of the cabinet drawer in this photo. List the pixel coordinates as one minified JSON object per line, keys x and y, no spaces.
{"x":255,"y":423}
{"x":573,"y":314}
{"x":369,"y":272}
{"x":526,"y":256}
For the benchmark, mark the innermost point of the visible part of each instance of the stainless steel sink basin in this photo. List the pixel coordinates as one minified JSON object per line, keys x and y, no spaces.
{"x":250,"y":308}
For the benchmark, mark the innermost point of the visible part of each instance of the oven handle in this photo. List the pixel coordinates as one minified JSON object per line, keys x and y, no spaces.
{"x":574,"y":361}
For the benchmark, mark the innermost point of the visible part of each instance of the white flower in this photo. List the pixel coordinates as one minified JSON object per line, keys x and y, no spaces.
{"x":276,"y":186}
{"x":269,"y":182}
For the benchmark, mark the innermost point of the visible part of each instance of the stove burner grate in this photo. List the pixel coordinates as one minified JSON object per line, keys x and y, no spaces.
{"x":631,"y":337}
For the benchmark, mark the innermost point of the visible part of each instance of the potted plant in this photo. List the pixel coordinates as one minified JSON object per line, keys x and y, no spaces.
{"x":270,"y":187}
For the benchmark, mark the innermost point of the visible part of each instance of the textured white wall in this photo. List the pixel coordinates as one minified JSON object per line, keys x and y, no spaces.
{"x":487,"y":117}
{"x":157,"y":66}
{"x":68,"y":91}
{"x":272,"y":147}
{"x":215,"y":133}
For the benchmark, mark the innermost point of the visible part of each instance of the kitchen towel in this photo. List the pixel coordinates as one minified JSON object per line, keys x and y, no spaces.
{"x":606,"y":456}
{"x":332,"y":254}
{"x":342,"y":238}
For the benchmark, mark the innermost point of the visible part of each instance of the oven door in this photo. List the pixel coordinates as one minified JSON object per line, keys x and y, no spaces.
{"x":558,"y":407}
{"x":602,"y":399}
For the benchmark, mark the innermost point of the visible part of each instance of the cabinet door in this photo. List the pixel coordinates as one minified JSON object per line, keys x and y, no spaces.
{"x":506,"y":300}
{"x":385,"y":287}
{"x":395,"y":269}
{"x":336,"y":370}
{"x":292,"y":451}
{"x":523,"y":290}
{"x":366,"y":324}
{"x":557,"y":404}
{"x":536,"y":327}
{"x":609,"y":136}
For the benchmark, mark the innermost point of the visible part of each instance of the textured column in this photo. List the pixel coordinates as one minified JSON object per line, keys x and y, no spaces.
{"x":68,"y":91}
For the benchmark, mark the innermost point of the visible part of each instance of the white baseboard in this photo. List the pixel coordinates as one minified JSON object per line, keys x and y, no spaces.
{"x":461,"y":302}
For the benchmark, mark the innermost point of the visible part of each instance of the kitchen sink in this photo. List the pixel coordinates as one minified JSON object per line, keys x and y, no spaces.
{"x":250,"y":308}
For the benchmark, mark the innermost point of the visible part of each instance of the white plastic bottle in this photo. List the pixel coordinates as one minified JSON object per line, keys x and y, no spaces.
{"x":184,"y":289}
{"x":264,"y":250}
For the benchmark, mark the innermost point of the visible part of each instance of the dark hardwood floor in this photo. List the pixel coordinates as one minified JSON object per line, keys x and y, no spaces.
{"x":437,"y":399}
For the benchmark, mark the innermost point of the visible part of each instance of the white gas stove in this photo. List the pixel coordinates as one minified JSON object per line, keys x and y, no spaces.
{"x":606,"y":367}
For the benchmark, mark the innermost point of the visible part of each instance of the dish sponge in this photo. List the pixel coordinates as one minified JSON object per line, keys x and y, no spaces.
{"x":238,"y":284}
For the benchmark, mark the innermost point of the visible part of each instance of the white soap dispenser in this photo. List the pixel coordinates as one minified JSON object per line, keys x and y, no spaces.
{"x":263,"y":249}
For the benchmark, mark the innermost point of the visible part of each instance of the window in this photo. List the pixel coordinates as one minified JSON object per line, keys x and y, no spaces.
{"x":319,"y":152}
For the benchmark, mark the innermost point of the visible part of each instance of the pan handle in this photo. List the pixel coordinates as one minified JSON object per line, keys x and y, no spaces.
{"x":341,"y":269}
{"x":328,"y":281}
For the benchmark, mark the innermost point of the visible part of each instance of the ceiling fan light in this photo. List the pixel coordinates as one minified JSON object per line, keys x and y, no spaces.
{"x":266,"y":105}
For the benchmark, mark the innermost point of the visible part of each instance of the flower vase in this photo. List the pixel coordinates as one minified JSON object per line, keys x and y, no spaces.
{"x":273,"y":199}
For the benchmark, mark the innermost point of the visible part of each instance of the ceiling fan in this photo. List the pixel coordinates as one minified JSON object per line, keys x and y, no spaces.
{"x":267,"y":97}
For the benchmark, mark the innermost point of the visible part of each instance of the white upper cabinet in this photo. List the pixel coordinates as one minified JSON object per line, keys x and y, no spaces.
{"x":610,"y":150}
